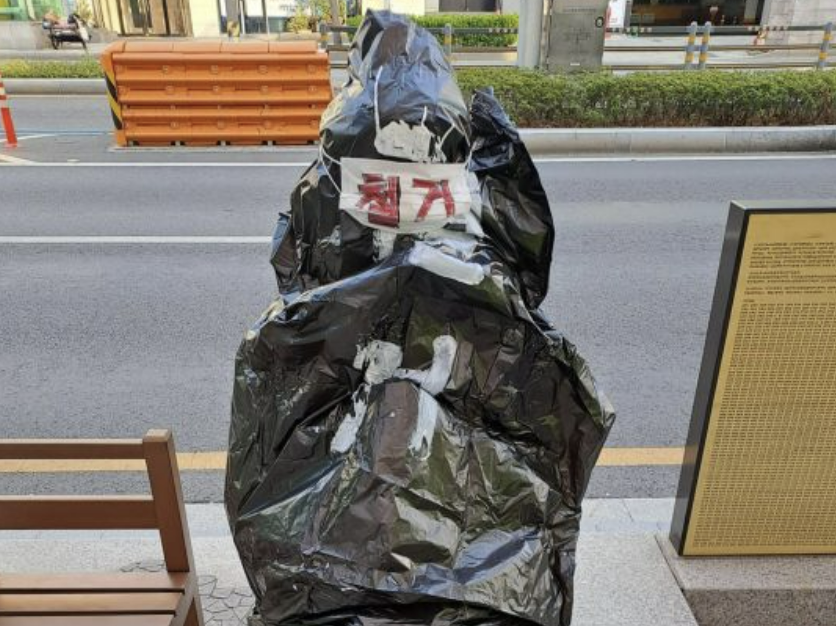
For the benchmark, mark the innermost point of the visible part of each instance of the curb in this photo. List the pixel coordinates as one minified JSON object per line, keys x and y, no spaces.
{"x":55,"y":87}
{"x":680,"y":140}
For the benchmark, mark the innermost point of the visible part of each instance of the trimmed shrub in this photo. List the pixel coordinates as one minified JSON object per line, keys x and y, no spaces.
{"x":604,"y":100}
{"x":18,"y":68}
{"x":465,"y":20}
{"x":707,"y":98}
{"x":309,"y":13}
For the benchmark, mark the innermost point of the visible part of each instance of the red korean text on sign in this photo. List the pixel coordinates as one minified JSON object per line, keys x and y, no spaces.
{"x":379,"y":196}
{"x":436,"y":190}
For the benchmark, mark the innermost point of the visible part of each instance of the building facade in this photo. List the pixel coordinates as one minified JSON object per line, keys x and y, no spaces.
{"x":732,"y":12}
{"x":207,"y":18}
{"x":421,"y":7}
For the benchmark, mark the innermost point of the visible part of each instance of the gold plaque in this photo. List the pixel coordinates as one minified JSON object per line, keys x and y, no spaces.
{"x":760,"y":469}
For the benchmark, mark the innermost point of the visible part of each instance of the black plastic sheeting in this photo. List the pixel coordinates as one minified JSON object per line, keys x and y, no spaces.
{"x":397,"y":73}
{"x":411,"y":439}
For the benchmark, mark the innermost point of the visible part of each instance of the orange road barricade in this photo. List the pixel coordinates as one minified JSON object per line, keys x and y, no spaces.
{"x":6,"y":115}
{"x":199,"y":94}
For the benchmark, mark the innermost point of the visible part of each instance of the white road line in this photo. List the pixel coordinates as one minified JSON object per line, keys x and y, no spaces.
{"x":788,"y":156}
{"x":168,"y":164}
{"x":10,"y":160}
{"x":134,"y":239}
{"x":27,"y":137}
{"x":597,"y":159}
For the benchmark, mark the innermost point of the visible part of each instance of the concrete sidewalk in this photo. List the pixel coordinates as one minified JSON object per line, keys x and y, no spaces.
{"x":622,"y":577}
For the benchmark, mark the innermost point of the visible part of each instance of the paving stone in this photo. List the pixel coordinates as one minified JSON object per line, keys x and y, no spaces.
{"x":622,"y":580}
{"x":757,"y":590}
{"x":222,"y":606}
{"x":225,"y":615}
{"x":145,"y":566}
{"x":242,"y":612}
{"x":651,"y":515}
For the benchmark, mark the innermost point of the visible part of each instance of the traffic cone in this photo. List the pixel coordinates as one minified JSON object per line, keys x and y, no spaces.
{"x":6,"y":114}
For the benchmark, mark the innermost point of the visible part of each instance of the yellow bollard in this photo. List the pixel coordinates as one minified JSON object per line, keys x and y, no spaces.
{"x":448,"y":40}
{"x":825,"y":46}
{"x":706,"y":41}
{"x":692,"y":45}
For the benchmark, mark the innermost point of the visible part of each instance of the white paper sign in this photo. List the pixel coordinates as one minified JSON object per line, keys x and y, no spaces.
{"x":404,"y":197}
{"x":618,"y":14}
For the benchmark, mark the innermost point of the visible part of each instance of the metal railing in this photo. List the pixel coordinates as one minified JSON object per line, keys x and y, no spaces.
{"x":696,"y":49}
{"x":448,"y":31}
{"x":699,"y":46}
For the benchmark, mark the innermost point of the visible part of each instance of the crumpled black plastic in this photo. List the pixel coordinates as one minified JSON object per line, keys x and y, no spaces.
{"x":411,"y":441}
{"x":415,"y":85}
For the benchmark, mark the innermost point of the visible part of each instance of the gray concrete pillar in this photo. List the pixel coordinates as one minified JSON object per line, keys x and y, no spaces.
{"x":798,"y":13}
{"x":531,"y":33}
{"x":231,"y":10}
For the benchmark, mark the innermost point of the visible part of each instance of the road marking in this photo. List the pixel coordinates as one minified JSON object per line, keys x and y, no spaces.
{"x":135,"y":239}
{"x":35,"y":133}
{"x":48,"y":96}
{"x":543,"y":160}
{"x":5,"y":158}
{"x":26,"y":137}
{"x":826,"y":156}
{"x":186,"y":461}
{"x":214,"y":461}
{"x":277,"y":164}
{"x":640,"y":457}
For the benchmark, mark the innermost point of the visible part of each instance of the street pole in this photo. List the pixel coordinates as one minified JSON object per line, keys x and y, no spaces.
{"x":530,"y":33}
{"x":335,"y":20}
{"x":232,"y":17}
{"x":266,"y":17}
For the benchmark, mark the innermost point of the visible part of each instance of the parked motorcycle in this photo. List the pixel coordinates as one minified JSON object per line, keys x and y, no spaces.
{"x":74,"y":30}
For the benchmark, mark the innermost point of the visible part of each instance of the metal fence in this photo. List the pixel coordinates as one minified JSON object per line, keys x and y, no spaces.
{"x":335,"y":44}
{"x":697,"y":47}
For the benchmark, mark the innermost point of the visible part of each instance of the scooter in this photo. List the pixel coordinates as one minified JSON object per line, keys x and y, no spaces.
{"x":73,"y":31}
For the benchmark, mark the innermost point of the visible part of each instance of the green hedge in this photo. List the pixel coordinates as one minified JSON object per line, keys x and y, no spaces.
{"x":600,"y":100}
{"x":466,"y":20}
{"x":86,"y":68}
{"x":707,"y":98}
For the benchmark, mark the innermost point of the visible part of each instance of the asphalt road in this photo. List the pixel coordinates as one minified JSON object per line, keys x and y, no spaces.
{"x":110,"y":339}
{"x":56,"y":114}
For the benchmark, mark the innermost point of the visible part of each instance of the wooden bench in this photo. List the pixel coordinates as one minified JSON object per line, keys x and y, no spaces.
{"x":103,"y":599}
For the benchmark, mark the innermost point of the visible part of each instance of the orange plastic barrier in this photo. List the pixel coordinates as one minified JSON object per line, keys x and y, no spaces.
{"x":199,"y":94}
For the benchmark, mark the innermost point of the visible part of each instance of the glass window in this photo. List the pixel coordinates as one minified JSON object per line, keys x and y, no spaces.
{"x":682,"y":12}
{"x":16,"y":10}
{"x":252,"y":13}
